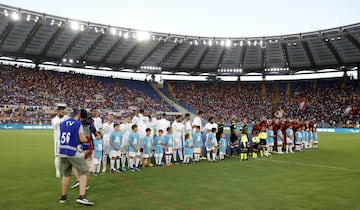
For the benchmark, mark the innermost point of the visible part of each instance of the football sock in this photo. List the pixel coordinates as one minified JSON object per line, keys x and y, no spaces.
{"x":112,"y":163}
{"x":123,"y":160}
{"x":214,"y":156}
{"x":104,"y":160}
{"x":245,"y":156}
{"x":131,"y":163}
{"x":208,"y":156}
{"x":118,"y":163}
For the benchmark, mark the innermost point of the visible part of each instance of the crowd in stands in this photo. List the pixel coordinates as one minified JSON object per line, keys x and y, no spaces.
{"x":30,"y":96}
{"x":326,"y":100}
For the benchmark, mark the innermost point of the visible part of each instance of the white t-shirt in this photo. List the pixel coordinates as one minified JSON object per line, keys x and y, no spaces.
{"x":55,"y":122}
{"x":178,"y":128}
{"x":98,"y":123}
{"x":197,"y":122}
{"x":209,"y":126}
{"x":163,"y":124}
{"x":108,"y":128}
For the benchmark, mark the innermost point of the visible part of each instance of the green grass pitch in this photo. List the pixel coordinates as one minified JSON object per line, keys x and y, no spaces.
{"x":327,"y":178}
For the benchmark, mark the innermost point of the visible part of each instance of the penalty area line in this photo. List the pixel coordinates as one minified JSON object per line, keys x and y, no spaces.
{"x":151,"y":196}
{"x":316,"y":165}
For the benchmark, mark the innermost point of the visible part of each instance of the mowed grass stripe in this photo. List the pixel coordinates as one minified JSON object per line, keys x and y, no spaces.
{"x":27,"y":173}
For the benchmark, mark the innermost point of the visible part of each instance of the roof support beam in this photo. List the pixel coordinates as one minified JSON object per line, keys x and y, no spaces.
{"x":333,"y":51}
{"x":202,"y":58}
{"x":121,"y":64}
{"x":184,"y":57}
{"x":308,"y":53}
{"x":285,"y":52}
{"x":93,"y":46}
{"x":221,"y":57}
{"x":151,"y":52}
{"x":171,"y":52}
{"x":110,"y":51}
{"x":52,"y":40}
{"x":30,"y":36}
{"x":352,"y":40}
{"x":73,"y":43}
{"x":6,"y":32}
{"x":242,"y":55}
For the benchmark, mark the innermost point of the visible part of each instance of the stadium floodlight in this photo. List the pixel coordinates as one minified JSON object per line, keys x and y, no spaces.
{"x":255,"y":43}
{"x":216,"y":42}
{"x":228,"y":43}
{"x":126,"y":35}
{"x":241,"y":43}
{"x":326,"y":40}
{"x":113,"y":31}
{"x":77,"y":61}
{"x":120,"y":33}
{"x":295,"y":44}
{"x":210,"y":43}
{"x":71,"y":60}
{"x":52,"y":22}
{"x":249,"y":43}
{"x":28,"y":17}
{"x":133,"y":34}
{"x":261,"y":42}
{"x":15,"y":16}
{"x":222,"y":42}
{"x":60,"y":23}
{"x":196,"y":42}
{"x":74,"y":25}
{"x":143,"y":35}
{"x":6,"y":13}
{"x":102,"y":30}
{"x":64,"y":60}
{"x":339,"y":38}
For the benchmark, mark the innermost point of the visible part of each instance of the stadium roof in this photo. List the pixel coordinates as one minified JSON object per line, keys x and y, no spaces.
{"x":44,"y":38}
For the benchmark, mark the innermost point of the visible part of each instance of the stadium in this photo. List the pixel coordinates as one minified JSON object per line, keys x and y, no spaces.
{"x":303,"y":86}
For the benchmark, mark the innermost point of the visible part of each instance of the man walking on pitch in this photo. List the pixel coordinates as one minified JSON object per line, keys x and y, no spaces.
{"x":71,"y":155}
{"x":55,"y":122}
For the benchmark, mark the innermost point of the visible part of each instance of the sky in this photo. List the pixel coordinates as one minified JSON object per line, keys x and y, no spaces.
{"x":225,"y":18}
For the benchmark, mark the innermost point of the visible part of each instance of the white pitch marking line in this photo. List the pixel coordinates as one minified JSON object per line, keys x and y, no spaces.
{"x":316,"y":165}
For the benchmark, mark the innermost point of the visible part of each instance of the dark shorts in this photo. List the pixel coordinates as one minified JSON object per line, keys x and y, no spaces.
{"x":256,"y":146}
{"x":79,"y":163}
{"x":263,"y":142}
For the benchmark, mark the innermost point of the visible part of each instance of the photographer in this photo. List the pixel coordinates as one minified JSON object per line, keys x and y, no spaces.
{"x":72,"y":156}
{"x":87,"y":147}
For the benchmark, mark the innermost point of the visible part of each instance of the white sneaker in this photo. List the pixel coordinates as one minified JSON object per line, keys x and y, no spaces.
{"x":58,"y":174}
{"x":84,"y":201}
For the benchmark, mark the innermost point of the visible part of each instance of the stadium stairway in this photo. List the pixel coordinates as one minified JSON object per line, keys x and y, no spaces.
{"x":147,"y":89}
{"x":171,"y":102}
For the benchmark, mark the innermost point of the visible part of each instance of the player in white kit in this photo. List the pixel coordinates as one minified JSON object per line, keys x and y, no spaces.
{"x":108,"y":128}
{"x":55,"y":122}
{"x":178,"y":129}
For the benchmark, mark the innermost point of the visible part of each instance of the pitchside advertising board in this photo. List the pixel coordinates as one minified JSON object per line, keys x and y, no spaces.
{"x":48,"y":126}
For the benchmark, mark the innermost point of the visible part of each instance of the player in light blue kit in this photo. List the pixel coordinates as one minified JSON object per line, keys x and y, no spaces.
{"x":270,"y":139}
{"x":306,"y":138}
{"x":197,"y":139}
{"x":316,"y":140}
{"x":280,"y":139}
{"x":298,"y":139}
{"x":134,"y":148}
{"x":222,"y":146}
{"x":289,"y":139}
{"x":159,"y":142}
{"x":303,"y":143}
{"x":147,"y":141}
{"x":311,"y":139}
{"x":116,"y":139}
{"x":188,"y":152}
{"x":169,"y":140}
{"x":211,"y":145}
{"x":96,"y":162}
